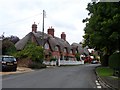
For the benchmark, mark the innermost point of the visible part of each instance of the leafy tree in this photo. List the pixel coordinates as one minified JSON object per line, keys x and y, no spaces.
{"x":14,"y":39}
{"x":8,"y":47}
{"x":34,"y":52}
{"x":102,"y":31}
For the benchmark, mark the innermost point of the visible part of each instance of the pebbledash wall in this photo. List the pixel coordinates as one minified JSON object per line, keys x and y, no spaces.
{"x":55,"y":47}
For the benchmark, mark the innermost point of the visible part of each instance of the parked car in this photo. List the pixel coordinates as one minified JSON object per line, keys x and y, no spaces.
{"x":8,"y":63}
{"x":94,"y":62}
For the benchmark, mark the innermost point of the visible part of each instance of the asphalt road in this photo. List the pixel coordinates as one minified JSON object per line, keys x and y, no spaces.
{"x":81,"y":76}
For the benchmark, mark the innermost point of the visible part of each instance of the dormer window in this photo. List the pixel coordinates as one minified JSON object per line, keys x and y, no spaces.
{"x":71,"y":51}
{"x":76,"y":51}
{"x":46,"y":46}
{"x":56,"y":48}
{"x":65,"y":50}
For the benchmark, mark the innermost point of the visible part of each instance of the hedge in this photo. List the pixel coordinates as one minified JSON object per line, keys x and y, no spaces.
{"x":114,"y":61}
{"x":36,"y":65}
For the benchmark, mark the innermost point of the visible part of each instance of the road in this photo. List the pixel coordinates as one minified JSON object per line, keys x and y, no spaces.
{"x":81,"y":76}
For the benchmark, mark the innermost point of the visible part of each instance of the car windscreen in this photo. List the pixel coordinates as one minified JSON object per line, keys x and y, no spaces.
{"x":8,"y":59}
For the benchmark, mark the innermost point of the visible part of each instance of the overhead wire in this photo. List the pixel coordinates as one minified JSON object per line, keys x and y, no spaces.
{"x":20,"y":20}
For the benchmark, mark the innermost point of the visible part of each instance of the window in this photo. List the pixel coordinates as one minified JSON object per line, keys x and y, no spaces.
{"x":76,"y":51}
{"x":46,"y":46}
{"x":71,"y":51}
{"x":9,"y":59}
{"x":56,"y":48}
{"x":65,"y":50}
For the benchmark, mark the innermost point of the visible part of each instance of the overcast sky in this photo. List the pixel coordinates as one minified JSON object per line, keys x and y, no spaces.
{"x":17,"y":16}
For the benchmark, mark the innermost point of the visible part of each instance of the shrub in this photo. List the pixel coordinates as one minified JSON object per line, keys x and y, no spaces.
{"x":36,"y":65}
{"x":32,"y":51}
{"x":52,"y":59}
{"x":24,"y":62}
{"x":114,"y":60}
{"x":8,"y":47}
{"x":77,"y":55}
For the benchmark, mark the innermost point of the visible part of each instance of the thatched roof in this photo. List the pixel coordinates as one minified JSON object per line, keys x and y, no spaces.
{"x":53,"y":41}
{"x":78,"y":47}
{"x":21,"y":43}
{"x":63,"y":44}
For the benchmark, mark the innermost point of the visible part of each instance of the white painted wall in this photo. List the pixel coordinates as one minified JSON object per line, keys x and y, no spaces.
{"x":64,"y":62}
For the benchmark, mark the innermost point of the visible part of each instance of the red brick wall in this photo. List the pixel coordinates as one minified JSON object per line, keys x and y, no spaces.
{"x":51,"y":31}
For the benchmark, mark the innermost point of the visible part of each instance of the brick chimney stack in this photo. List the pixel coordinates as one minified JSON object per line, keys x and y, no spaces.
{"x":63,"y":36}
{"x":51,"y":31}
{"x":34,"y":28}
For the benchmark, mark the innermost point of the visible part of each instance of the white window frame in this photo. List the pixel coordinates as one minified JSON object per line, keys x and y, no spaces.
{"x":46,"y":46}
{"x":65,"y":50}
{"x":56,"y":48}
{"x":71,"y":51}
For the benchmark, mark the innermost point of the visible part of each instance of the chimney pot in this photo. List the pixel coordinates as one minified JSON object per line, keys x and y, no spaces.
{"x":34,"y":27}
{"x":51,"y":31}
{"x":63,"y":36}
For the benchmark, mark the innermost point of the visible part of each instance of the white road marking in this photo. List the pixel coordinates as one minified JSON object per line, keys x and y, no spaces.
{"x":99,"y":87}
{"x":98,"y":84}
{"x":96,"y":81}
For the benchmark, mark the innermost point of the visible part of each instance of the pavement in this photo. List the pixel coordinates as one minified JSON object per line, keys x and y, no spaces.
{"x":111,"y":82}
{"x":19,"y":70}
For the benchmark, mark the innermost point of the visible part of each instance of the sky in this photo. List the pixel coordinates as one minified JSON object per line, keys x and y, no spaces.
{"x":17,"y":17}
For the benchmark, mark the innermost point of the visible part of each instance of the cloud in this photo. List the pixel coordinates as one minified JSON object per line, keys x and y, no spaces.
{"x":64,"y":15}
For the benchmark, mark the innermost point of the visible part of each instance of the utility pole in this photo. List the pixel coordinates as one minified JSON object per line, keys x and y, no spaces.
{"x":43,"y":29}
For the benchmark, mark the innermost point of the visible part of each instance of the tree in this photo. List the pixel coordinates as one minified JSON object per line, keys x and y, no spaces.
{"x":8,"y":47}
{"x":14,"y":39}
{"x":102,"y":31}
{"x":34,"y":52}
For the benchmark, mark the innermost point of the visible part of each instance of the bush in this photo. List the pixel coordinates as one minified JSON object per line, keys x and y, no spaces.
{"x":114,"y":60}
{"x":32,"y":51}
{"x":114,"y":63}
{"x":77,"y":55}
{"x":24,"y":62}
{"x":8,"y":47}
{"x":36,"y":65}
{"x":52,"y":59}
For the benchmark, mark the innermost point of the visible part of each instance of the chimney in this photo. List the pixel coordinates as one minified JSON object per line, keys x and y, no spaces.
{"x":63,"y":36}
{"x":51,"y":31}
{"x":34,"y":28}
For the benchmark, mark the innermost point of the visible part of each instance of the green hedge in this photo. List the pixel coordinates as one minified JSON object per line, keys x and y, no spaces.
{"x":114,"y":61}
{"x":53,"y":59}
{"x":36,"y":65}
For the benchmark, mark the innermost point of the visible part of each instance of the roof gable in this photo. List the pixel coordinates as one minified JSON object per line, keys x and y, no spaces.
{"x":21,"y":43}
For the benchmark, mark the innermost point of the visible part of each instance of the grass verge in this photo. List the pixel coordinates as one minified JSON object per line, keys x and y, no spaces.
{"x":104,"y":71}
